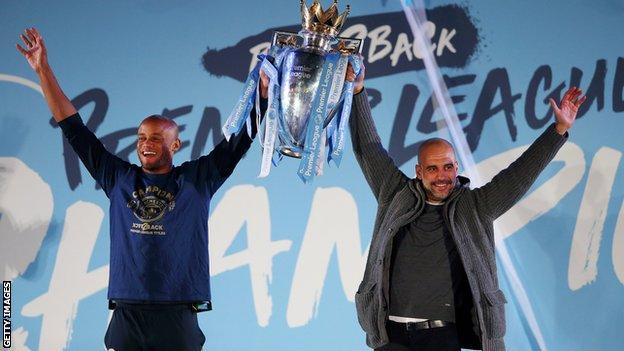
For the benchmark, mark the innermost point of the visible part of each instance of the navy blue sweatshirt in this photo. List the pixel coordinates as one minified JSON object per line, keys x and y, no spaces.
{"x":158,"y":223}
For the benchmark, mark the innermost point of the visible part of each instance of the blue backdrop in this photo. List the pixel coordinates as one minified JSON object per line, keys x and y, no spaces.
{"x":286,"y":258}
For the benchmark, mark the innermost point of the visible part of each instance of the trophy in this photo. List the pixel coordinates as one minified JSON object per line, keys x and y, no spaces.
{"x":309,"y":100}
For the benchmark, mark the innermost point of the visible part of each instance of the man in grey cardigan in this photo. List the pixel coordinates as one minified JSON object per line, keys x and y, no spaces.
{"x":430,"y":281}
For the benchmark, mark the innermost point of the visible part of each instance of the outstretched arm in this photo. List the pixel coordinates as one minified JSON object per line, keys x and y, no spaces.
{"x":219,"y":164}
{"x":508,"y":186}
{"x":36,"y":54}
{"x":382,"y":175}
{"x":102,"y":165}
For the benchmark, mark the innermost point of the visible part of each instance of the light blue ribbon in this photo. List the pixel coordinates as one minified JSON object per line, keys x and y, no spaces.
{"x":235,"y":121}
{"x":272,"y":116}
{"x":338,"y":129}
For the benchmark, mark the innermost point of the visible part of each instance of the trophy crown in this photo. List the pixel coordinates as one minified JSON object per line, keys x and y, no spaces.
{"x":327,"y":22}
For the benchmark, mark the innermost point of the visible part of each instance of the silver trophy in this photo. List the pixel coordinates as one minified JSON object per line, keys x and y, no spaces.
{"x":301,"y":70}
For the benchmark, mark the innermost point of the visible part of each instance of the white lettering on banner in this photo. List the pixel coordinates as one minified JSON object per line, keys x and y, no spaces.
{"x":357,"y":31}
{"x":403,"y":46}
{"x":380,"y":47}
{"x":26,"y":206}
{"x":445,"y":41}
{"x":618,"y":246}
{"x":70,"y":282}
{"x":246,"y":205}
{"x":588,"y":231}
{"x":546,"y":196}
{"x":429,"y":29}
{"x":333,"y":222}
{"x":378,"y":38}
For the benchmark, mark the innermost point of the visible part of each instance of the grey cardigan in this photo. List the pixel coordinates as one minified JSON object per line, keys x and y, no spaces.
{"x":469,"y":215}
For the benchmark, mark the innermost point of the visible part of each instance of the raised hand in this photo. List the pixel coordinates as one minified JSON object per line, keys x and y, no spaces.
{"x":36,"y":54}
{"x":565,"y":114}
{"x":35,"y":51}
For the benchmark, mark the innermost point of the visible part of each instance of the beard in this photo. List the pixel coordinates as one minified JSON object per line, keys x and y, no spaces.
{"x":436,"y":194}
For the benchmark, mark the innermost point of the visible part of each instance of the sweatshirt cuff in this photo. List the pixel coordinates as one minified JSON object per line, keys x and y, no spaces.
{"x":71,"y":124}
{"x":360,"y":93}
{"x":361,"y":97}
{"x":552,"y":130}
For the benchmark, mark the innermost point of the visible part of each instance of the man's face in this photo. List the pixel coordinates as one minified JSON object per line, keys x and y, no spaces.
{"x":156,"y":143}
{"x":437,"y":171}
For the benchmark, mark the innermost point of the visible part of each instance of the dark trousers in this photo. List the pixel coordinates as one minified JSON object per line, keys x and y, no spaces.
{"x":433,"y":339}
{"x":154,"y":327}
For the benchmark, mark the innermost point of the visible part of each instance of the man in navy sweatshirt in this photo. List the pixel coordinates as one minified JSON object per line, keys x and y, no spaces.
{"x":159,"y":274}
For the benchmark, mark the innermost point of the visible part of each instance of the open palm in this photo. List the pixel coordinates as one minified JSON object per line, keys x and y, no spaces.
{"x":565,"y":114}
{"x":35,"y":51}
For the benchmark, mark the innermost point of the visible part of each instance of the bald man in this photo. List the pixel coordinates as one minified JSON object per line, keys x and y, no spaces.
{"x":159,"y":275}
{"x":430,"y":281}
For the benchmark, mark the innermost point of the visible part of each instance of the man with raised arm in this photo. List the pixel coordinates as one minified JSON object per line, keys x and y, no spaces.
{"x":430,"y":281}
{"x":159,"y":276}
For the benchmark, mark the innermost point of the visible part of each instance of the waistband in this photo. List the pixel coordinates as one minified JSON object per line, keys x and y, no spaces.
{"x":428,"y":324}
{"x":162,"y":306}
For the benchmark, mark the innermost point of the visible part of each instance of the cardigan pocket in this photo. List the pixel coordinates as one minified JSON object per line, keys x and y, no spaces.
{"x":494,"y":313}
{"x":368,"y":312}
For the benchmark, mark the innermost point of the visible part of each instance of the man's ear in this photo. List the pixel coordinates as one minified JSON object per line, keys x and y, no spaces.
{"x":418,"y":172}
{"x":176,"y":145}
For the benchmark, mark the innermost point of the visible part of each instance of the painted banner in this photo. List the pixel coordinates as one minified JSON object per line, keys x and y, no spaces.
{"x":287,"y":257}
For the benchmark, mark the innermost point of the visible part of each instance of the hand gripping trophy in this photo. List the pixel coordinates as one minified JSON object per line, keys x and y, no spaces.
{"x":309,"y":100}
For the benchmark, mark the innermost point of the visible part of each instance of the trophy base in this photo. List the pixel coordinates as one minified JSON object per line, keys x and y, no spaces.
{"x":290,"y":152}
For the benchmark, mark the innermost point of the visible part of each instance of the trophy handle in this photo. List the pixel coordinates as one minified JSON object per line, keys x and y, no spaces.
{"x":283,"y":38}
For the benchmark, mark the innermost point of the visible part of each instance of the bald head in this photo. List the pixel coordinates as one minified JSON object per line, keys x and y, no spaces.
{"x":166,"y":124}
{"x":433,"y":144}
